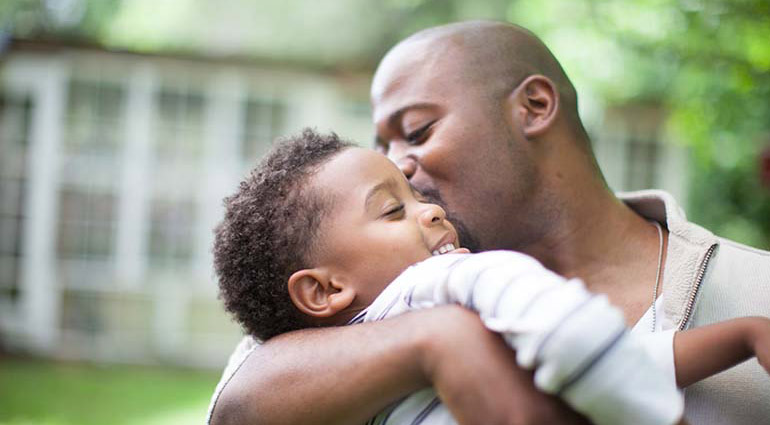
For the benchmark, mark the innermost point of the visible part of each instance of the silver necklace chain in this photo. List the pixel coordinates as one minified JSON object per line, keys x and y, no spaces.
{"x":657,"y":276}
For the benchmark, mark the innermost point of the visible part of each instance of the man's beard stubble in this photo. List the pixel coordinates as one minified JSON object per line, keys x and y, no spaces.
{"x":467,"y":240}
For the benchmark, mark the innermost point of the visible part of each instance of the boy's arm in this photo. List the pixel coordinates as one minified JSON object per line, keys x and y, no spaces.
{"x":707,"y":350}
{"x":347,"y":374}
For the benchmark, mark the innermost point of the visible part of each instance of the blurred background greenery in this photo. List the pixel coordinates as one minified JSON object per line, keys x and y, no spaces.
{"x":705,"y":62}
{"x":702,"y":66}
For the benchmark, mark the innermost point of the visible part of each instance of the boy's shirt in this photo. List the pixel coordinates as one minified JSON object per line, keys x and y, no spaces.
{"x":575,"y":341}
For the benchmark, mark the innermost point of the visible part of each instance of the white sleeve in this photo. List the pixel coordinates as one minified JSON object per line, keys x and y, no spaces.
{"x":575,"y":340}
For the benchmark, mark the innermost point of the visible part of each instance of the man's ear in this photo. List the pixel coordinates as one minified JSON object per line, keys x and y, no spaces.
{"x":535,"y":105}
{"x":315,"y":293}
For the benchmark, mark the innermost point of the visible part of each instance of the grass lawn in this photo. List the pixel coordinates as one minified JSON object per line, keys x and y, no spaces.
{"x":47,"y":393}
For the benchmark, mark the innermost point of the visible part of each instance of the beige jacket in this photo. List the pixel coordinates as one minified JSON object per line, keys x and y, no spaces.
{"x":709,"y":279}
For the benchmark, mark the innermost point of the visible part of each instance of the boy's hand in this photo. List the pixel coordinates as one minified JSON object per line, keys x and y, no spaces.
{"x":760,"y":340}
{"x":708,"y":350}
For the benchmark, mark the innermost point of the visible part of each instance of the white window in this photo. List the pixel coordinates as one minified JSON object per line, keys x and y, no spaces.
{"x":171,"y":233}
{"x":94,"y":118}
{"x":264,"y":122}
{"x":14,"y":142}
{"x":86,"y":228}
{"x":90,"y":154}
{"x":179,"y":124}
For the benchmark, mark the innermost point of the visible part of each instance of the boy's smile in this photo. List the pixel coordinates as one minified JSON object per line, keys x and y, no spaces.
{"x":377,"y":225}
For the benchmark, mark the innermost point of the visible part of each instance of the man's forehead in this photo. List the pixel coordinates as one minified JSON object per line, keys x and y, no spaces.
{"x":422,"y":59}
{"x":410,"y":81}
{"x":400,"y":66}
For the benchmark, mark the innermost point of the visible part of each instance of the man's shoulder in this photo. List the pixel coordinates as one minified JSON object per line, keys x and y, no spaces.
{"x":743,"y":260}
{"x":736,"y":283}
{"x":744,"y":250}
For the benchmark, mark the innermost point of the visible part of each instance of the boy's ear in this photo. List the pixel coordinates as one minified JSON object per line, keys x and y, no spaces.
{"x":535,"y":105}
{"x":315,"y":293}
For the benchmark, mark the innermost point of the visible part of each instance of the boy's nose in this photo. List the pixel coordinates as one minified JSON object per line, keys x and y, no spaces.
{"x":432,"y":214}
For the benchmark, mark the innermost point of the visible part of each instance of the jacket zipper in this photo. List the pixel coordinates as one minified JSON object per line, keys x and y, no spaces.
{"x":698,"y":281}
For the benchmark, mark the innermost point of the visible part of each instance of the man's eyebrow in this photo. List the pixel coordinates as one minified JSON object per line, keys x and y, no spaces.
{"x":396,"y":115}
{"x":390,"y":183}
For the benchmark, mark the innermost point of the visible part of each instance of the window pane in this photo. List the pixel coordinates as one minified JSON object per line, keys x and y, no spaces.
{"x":86,"y":225}
{"x":179,"y":123}
{"x":14,"y":122}
{"x":94,"y":117}
{"x":264,"y":122}
{"x":15,"y":114}
{"x":171,"y":232}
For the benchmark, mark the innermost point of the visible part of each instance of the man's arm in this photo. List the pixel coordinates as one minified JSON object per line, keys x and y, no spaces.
{"x":576,"y":342}
{"x":346,"y":375}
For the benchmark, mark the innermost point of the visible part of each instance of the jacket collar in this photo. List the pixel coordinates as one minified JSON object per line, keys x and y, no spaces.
{"x":688,"y":244}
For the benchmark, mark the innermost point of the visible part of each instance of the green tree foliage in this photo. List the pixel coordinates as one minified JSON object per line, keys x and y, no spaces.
{"x":706,"y":62}
{"x":720,"y":106}
{"x":69,"y":19}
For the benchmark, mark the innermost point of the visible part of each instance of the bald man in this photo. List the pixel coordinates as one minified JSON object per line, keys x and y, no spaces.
{"x":481,"y":118}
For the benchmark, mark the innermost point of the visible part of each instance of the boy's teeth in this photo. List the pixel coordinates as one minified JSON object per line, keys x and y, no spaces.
{"x":444,"y":249}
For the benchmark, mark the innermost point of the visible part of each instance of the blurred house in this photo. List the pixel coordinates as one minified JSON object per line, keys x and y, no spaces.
{"x":113,"y":166}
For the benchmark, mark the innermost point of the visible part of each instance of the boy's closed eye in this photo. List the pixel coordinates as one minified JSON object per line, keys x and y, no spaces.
{"x":393,"y":210}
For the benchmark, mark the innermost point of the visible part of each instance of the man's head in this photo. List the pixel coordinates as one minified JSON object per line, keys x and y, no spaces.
{"x":316,"y":233}
{"x":482,"y":116}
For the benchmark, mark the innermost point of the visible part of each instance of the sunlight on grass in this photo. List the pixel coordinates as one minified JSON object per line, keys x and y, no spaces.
{"x":46,"y":393}
{"x":185,"y":416}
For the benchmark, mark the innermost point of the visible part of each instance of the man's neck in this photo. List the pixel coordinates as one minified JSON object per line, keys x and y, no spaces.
{"x":605,"y":243}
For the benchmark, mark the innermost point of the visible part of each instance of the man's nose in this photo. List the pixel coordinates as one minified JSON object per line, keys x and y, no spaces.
{"x":432,"y":214}
{"x":407,"y":163}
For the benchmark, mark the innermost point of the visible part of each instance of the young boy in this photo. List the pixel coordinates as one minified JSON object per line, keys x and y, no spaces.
{"x":317,"y":233}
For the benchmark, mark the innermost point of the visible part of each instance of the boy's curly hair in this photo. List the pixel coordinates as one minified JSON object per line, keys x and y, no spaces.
{"x":267,"y":233}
